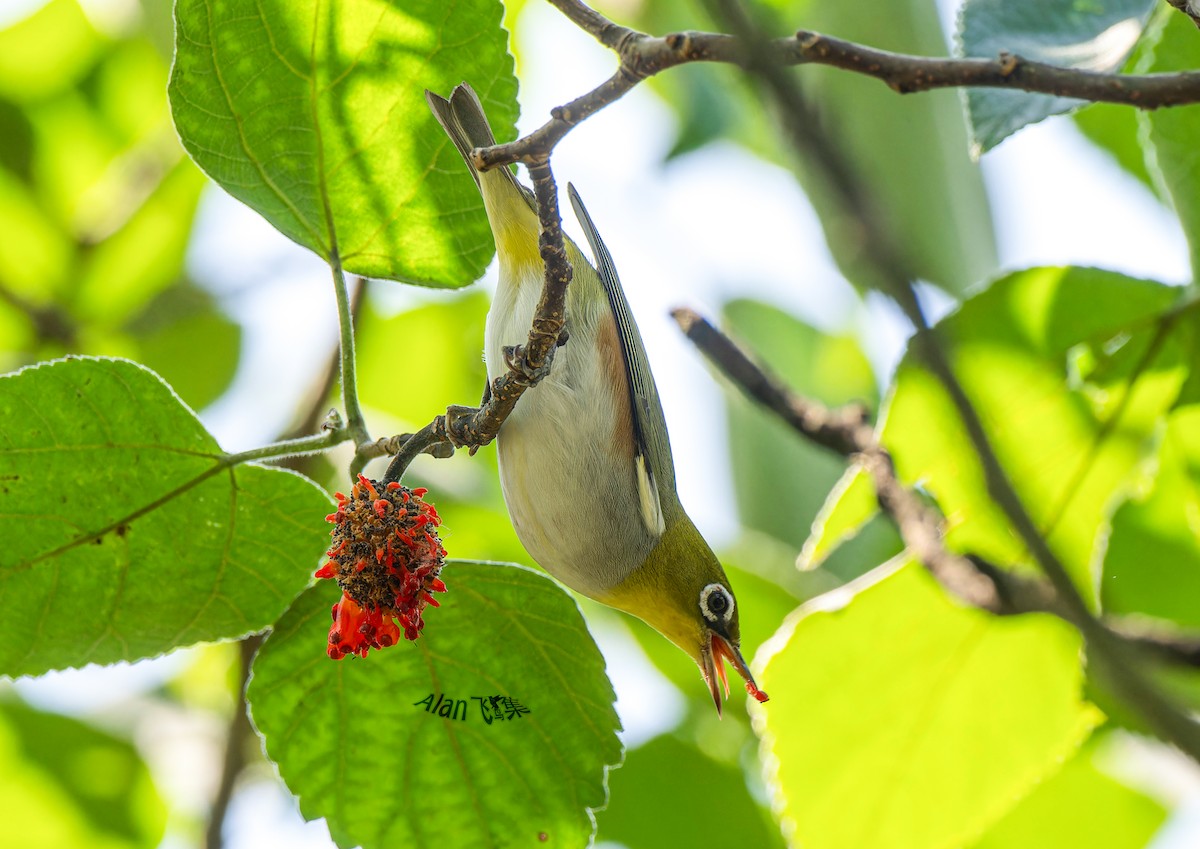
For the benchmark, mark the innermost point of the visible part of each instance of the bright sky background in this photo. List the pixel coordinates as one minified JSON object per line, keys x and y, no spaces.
{"x":708,"y":227}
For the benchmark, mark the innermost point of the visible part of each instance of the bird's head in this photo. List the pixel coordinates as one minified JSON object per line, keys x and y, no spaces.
{"x":681,"y":591}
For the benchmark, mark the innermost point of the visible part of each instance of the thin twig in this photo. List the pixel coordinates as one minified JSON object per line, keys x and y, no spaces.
{"x":237,"y":739}
{"x":355,"y":423}
{"x":474,"y":427}
{"x":642,"y":55}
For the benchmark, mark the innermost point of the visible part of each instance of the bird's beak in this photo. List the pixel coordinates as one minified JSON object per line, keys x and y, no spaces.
{"x":712,"y":666}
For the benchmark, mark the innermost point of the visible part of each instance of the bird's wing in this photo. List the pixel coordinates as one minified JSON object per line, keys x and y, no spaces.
{"x":656,"y":471}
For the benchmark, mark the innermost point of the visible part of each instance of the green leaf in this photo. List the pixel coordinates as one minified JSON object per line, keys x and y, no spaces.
{"x":1079,"y":807}
{"x":126,"y":534}
{"x":641,"y":816}
{"x":1094,"y":36}
{"x":908,"y":721}
{"x":355,"y":741}
{"x":1152,"y":565}
{"x":1070,"y":370}
{"x":314,"y":114}
{"x":1173,"y":132}
{"x":65,"y":784}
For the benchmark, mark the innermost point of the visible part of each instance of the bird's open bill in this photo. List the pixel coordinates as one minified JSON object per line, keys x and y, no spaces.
{"x":722,"y":650}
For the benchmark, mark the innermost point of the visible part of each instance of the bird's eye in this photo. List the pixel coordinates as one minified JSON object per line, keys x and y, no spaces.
{"x":716,"y":603}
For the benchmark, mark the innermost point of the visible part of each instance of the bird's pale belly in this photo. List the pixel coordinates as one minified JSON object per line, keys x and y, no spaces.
{"x":572,"y":503}
{"x":565,"y":466}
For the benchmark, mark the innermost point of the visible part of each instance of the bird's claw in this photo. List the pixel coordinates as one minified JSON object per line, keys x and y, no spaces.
{"x":517,"y":362}
{"x":457,"y":429}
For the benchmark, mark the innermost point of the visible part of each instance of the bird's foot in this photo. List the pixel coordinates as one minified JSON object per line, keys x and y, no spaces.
{"x":459,"y":428}
{"x":517,"y":360}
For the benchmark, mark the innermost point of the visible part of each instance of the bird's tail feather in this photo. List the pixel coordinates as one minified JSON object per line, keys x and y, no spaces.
{"x":463,"y":119}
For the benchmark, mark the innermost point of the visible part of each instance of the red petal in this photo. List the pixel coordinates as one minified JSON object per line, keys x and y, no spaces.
{"x":367,"y":483}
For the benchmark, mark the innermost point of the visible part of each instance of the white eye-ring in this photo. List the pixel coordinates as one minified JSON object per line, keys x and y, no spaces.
{"x":716,"y":603}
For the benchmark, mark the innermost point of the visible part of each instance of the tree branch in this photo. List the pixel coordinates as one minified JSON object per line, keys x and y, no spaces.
{"x":474,"y":427}
{"x":1114,"y":659}
{"x":1191,"y":8}
{"x":236,"y":740}
{"x":846,"y":432}
{"x":642,"y":55}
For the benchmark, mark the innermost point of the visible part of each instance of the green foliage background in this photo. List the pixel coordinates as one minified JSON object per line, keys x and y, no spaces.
{"x":898,"y":718}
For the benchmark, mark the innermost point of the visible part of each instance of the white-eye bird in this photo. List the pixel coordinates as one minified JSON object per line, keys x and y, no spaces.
{"x":585,"y":463}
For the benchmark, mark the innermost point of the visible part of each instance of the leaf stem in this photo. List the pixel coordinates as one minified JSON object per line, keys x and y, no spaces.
{"x":356,"y":426}
{"x":289,"y":447}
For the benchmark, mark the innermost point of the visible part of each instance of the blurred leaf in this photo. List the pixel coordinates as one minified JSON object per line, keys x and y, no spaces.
{"x":775,"y":561}
{"x":705,"y":110}
{"x":1152,"y":565}
{"x":125,"y":533}
{"x":297,"y":110}
{"x":1173,"y":132}
{"x":1113,"y":128}
{"x":477,"y":524}
{"x":46,"y":52}
{"x":99,"y":207}
{"x":908,"y":721}
{"x":416,"y":362}
{"x":1070,"y":370}
{"x":159,"y":24}
{"x":127,"y":91}
{"x":905,"y":152}
{"x":145,"y":255}
{"x":1093,"y":36}
{"x":640,"y":816}
{"x":1079,"y":807}
{"x":1190,"y":330}
{"x":353,"y":740}
{"x":179,"y":328}
{"x":102,"y":774}
{"x":35,"y":254}
{"x":780,"y":478}
{"x":16,"y":141}
{"x":66,"y":784}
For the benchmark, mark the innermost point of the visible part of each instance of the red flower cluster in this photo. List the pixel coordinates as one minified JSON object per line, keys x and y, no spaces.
{"x":386,"y":557}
